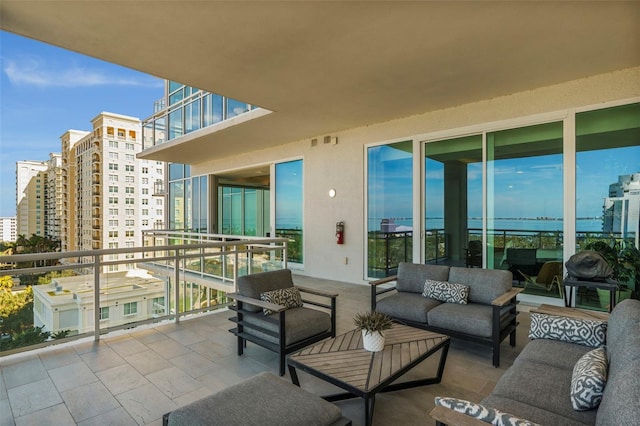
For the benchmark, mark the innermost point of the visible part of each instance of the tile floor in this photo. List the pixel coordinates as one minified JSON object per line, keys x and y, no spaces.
{"x":133,"y":377}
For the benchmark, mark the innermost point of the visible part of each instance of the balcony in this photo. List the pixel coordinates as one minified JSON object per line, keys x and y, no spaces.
{"x":135,"y":376}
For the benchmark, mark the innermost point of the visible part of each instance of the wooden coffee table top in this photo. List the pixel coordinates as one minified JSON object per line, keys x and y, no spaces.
{"x":344,"y":359}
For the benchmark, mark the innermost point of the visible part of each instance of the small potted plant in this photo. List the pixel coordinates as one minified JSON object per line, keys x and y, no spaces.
{"x":373,"y":324}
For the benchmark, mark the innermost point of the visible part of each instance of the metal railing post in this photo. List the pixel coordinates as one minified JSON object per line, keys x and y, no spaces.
{"x":96,"y":297}
{"x":177,"y":285}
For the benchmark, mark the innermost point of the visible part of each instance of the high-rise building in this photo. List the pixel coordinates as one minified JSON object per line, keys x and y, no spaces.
{"x":108,"y":195}
{"x":8,"y":231}
{"x":31,"y":181}
{"x":622,"y":206}
{"x":53,"y":193}
{"x":68,"y":173}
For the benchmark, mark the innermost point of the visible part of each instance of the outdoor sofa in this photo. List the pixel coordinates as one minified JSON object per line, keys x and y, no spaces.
{"x":565,"y":376}
{"x":487,"y":316}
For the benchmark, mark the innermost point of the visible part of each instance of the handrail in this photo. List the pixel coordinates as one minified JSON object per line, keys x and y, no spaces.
{"x":176,"y":263}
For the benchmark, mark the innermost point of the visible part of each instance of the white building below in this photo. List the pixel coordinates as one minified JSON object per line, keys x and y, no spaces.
{"x":67,"y":303}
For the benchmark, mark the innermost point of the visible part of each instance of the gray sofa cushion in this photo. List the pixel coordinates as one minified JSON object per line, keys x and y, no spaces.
{"x":408,"y":306}
{"x":484,"y":284}
{"x":474,"y":318}
{"x":541,"y":386}
{"x":553,"y":353}
{"x":529,"y":412}
{"x":300,"y":323}
{"x":261,"y":400}
{"x":255,"y":284}
{"x":411,"y":276}
{"x":621,"y":394}
{"x":625,"y":317}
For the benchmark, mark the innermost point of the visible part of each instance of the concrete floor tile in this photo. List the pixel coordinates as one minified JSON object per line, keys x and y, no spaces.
{"x":59,"y":358}
{"x":115,"y":417}
{"x":147,"y":362}
{"x":173,"y":382}
{"x":72,"y":376}
{"x":146,"y":404}
{"x":85,"y":402}
{"x":6,"y":416}
{"x":194,"y":364}
{"x":32,"y":397}
{"x":127,"y":346}
{"x":169,"y":348}
{"x":102,"y":358}
{"x":24,"y":372}
{"x":121,"y":379}
{"x":57,"y":415}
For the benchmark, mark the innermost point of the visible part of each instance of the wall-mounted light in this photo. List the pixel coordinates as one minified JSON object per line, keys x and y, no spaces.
{"x":332,"y":193}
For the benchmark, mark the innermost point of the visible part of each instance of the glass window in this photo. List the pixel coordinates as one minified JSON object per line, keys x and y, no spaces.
{"x":104,"y":313}
{"x":608,"y":189}
{"x":453,"y":200}
{"x":176,"y":128}
{"x":288,"y":208}
{"x":236,"y":108}
{"x":212,"y":109}
{"x":389,"y":207}
{"x":176,"y":171}
{"x":131,"y":308}
{"x":525,"y":201}
{"x":192,"y":116}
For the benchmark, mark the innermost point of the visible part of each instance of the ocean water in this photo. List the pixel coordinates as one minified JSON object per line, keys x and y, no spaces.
{"x":582,"y":225}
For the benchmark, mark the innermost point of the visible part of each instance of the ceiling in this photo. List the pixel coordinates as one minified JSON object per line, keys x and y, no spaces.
{"x":322,"y":66}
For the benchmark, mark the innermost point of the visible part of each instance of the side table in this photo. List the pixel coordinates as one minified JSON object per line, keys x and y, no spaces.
{"x":569,"y":283}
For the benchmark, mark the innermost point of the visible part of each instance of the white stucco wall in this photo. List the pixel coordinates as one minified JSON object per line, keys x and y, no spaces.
{"x":341,"y":166}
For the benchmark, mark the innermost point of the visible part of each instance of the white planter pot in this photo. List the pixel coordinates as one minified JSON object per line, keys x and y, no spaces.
{"x":373,"y":342}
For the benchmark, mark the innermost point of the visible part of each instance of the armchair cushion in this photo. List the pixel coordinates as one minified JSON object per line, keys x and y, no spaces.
{"x":573,"y":330}
{"x":288,"y":297}
{"x":480,"y":412}
{"x":446,"y":291}
{"x":589,"y":379}
{"x":254,"y":285}
{"x":300,"y":324}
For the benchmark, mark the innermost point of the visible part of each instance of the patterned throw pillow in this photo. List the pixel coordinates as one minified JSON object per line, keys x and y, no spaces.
{"x":480,"y":412}
{"x":588,"y":380}
{"x":581,"y":331}
{"x":288,"y":297}
{"x":446,"y":291}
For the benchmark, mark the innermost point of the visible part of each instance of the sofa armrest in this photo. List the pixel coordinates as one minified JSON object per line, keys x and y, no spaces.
{"x":443,"y":415}
{"x":384,"y":280}
{"x":256,"y":302}
{"x":571,"y":312}
{"x":505,"y":298}
{"x":317,"y":292}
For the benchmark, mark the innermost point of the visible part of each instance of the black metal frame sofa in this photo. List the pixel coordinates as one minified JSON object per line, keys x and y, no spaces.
{"x":487,"y":316}
{"x":264,"y":399}
{"x":565,"y":376}
{"x":272,"y":317}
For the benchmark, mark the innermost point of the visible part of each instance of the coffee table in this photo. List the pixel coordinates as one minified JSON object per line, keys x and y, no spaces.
{"x":343,"y":362}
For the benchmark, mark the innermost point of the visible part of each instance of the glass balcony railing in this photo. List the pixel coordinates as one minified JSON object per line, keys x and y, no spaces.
{"x":49,"y":298}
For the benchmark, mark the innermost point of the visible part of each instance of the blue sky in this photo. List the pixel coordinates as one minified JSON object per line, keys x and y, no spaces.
{"x":45,"y":91}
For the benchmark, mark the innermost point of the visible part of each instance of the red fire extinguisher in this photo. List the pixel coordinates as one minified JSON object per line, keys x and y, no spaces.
{"x":340,"y":233}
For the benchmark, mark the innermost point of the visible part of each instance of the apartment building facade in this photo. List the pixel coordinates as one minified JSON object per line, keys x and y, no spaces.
{"x":53,"y":194}
{"x":8,"y":229}
{"x":108,"y":195}
{"x":31,"y":184}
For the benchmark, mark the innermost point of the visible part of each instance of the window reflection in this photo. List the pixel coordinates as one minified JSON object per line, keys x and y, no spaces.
{"x":389,"y":207}
{"x":288,"y":207}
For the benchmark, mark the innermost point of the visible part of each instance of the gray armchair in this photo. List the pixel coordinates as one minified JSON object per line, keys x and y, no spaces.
{"x":285,"y":330}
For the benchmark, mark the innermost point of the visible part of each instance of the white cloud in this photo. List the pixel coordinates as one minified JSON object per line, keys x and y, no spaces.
{"x":34,"y":71}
